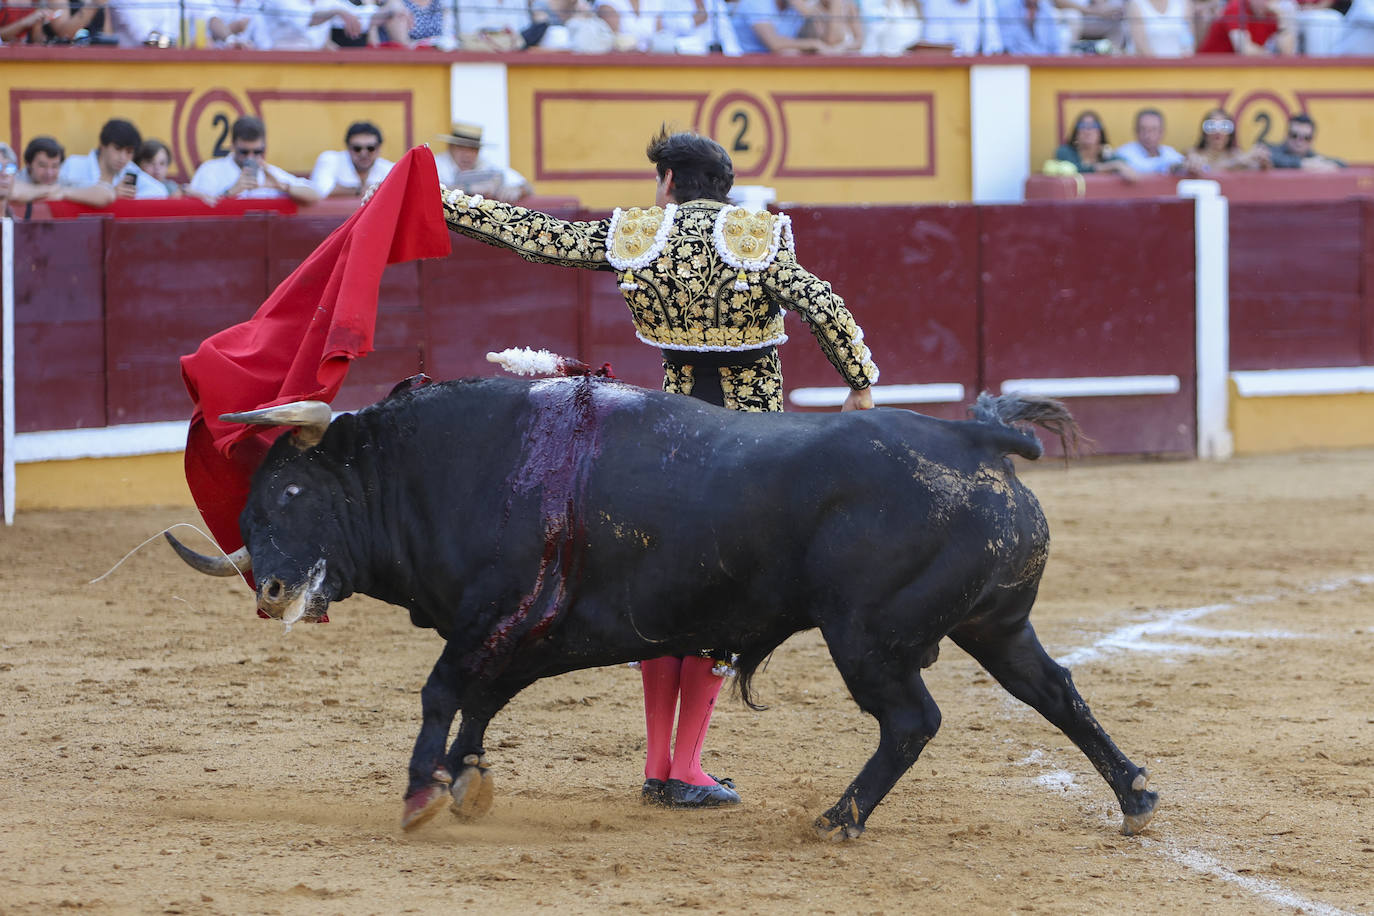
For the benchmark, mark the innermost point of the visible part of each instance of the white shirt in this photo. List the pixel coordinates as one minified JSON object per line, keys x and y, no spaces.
{"x":286,"y":23}
{"x":84,"y":171}
{"x":1170,"y":33}
{"x":485,"y":178}
{"x":969,"y":25}
{"x":334,"y":168}
{"x":217,"y":176}
{"x":669,"y":18}
{"x":228,"y":11}
{"x":1141,"y":161}
{"x":134,"y":20}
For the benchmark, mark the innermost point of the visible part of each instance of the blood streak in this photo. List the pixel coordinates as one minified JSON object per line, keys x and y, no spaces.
{"x":560,"y":448}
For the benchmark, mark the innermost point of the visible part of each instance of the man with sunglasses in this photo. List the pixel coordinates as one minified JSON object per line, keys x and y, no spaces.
{"x":350,"y":171}
{"x":1296,"y":151}
{"x":245,"y":172}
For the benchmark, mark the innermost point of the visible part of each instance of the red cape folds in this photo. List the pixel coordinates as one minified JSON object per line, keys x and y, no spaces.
{"x":299,"y":344}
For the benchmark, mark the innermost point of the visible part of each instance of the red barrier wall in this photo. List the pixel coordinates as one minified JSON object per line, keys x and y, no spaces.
{"x":1101,"y":289}
{"x":974,"y":295}
{"x":1300,"y":290}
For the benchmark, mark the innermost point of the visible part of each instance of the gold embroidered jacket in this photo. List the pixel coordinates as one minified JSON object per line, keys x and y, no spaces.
{"x":700,"y":276}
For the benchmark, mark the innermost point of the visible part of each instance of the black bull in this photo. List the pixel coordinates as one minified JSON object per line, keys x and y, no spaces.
{"x":543,"y":527}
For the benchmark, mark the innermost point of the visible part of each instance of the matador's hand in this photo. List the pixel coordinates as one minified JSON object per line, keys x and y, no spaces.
{"x":860,"y":399}
{"x":371,"y":189}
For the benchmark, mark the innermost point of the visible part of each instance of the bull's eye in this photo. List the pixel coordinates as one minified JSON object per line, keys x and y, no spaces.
{"x":288,"y":493}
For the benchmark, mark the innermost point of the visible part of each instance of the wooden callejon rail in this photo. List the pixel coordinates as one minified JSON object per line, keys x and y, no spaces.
{"x":1095,"y":302}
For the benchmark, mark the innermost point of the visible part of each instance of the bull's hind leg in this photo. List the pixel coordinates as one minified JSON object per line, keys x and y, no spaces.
{"x":891,"y":690}
{"x":1021,"y":665}
{"x":430,"y":777}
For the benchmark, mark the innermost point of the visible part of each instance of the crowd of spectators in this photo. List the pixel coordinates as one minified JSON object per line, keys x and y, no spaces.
{"x":126,"y":166}
{"x":1217,"y":150}
{"x":1158,"y":28}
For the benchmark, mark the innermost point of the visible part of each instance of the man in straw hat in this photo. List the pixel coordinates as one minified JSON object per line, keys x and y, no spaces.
{"x":463,"y":167}
{"x":706,"y":283}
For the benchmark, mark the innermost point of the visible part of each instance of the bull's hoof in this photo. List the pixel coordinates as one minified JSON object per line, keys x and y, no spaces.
{"x":1131,"y":824}
{"x":473,"y":790}
{"x":1142,"y":806}
{"x":423,"y":805}
{"x":836,"y":833}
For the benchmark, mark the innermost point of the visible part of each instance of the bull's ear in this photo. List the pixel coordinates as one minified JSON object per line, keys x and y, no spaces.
{"x":311,"y":419}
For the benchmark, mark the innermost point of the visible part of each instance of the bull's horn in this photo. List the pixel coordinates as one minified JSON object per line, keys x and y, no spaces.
{"x":237,"y":562}
{"x":311,"y":418}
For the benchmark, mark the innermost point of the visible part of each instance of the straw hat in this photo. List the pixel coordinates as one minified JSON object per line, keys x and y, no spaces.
{"x":463,"y":134}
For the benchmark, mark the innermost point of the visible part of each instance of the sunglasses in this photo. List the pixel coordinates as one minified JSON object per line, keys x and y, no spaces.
{"x":244,"y":151}
{"x":1294,"y":135}
{"x":1218,"y":126}
{"x":363,"y":148}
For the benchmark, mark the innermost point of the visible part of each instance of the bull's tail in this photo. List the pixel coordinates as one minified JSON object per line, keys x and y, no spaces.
{"x":1004,"y":410}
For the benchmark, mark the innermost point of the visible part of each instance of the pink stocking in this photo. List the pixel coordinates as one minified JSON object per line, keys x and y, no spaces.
{"x":660,"y":676}
{"x":699,"y":690}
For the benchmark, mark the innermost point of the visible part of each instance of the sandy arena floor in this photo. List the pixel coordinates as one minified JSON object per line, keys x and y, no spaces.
{"x":168,"y":752}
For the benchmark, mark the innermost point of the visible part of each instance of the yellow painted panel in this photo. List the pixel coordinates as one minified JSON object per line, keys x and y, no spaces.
{"x":189,"y":105}
{"x":1285,"y":424}
{"x":144,"y":480}
{"x":817,"y":135}
{"x":1261,"y":98}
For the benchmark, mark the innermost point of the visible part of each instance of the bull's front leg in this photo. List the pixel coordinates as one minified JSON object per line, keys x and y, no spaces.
{"x":430,"y":776}
{"x":473,"y":786}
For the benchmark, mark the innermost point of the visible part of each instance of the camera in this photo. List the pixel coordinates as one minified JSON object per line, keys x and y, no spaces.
{"x":130,"y":179}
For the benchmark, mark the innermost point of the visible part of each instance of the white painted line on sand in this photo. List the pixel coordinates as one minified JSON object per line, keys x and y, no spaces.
{"x":1131,"y":639}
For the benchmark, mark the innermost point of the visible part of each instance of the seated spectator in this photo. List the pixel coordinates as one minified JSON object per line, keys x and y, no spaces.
{"x":146,"y":23}
{"x":1028,"y":27}
{"x":43,"y":158}
{"x":839,"y":26}
{"x":649,"y":25}
{"x":462,"y":166}
{"x":776,"y":26}
{"x":1296,"y":151}
{"x":9,"y":168}
{"x":155,"y":159}
{"x":1145,"y":153}
{"x":1320,"y":25}
{"x":567,"y":25}
{"x":1160,"y":28}
{"x":430,"y":24}
{"x":235,"y":24}
{"x":304,"y":25}
{"x":1357,"y":36}
{"x":969,"y":25}
{"x":1218,"y":151}
{"x":38,"y":180}
{"x":350,"y":171}
{"x":1091,"y":21}
{"x":70,"y":18}
{"x":21,"y":21}
{"x":1262,"y":27}
{"x":245,"y":172}
{"x":111,"y":164}
{"x":1087,"y":148}
{"x":492,"y":25}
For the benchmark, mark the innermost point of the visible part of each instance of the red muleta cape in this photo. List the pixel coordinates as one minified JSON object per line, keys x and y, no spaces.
{"x":299,"y":343}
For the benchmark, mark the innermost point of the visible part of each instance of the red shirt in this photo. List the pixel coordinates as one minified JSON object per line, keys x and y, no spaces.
{"x":1261,"y":27}
{"x":12,"y":14}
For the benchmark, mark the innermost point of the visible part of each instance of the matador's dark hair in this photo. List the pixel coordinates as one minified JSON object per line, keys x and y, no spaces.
{"x":701,"y":167}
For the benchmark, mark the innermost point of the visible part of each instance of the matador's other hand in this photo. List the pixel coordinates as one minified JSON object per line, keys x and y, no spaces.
{"x":371,"y":189}
{"x":858,"y":399}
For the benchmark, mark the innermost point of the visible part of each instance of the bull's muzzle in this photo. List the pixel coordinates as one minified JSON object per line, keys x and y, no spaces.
{"x":288,"y":604}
